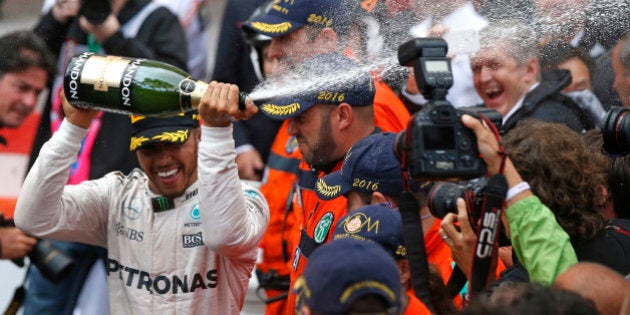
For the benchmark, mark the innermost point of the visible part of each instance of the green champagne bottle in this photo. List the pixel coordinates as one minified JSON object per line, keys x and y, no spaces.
{"x":131,"y":86}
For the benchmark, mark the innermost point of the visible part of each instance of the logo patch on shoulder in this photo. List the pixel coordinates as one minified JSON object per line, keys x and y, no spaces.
{"x":323,"y":227}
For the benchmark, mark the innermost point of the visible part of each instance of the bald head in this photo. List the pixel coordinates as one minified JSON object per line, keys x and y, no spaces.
{"x":604,"y":286}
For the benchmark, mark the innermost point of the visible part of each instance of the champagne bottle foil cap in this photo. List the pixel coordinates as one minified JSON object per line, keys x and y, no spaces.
{"x":169,"y":129}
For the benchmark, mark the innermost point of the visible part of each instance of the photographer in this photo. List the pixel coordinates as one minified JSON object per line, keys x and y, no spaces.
{"x":25,"y":66}
{"x":559,"y":168}
{"x":530,"y":224}
{"x":555,"y":162}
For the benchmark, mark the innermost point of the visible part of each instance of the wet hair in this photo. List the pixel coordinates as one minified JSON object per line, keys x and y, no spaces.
{"x":557,"y":165}
{"x":518,"y":39}
{"x":554,"y":53}
{"x":21,"y":50}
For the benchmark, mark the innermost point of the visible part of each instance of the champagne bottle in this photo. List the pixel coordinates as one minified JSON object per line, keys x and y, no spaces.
{"x":132,"y":85}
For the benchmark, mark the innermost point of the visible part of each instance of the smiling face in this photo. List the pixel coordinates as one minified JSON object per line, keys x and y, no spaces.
{"x":19,"y":93}
{"x":171,"y":167}
{"x":499,"y":80}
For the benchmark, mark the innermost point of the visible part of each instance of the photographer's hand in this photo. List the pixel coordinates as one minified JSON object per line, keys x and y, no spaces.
{"x":15,"y":243}
{"x":103,"y":31}
{"x":460,"y":238}
{"x":64,"y":10}
{"x":488,"y":145}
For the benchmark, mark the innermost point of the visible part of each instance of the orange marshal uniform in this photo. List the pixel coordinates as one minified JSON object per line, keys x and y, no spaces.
{"x":278,"y":183}
{"x":415,"y":306}
{"x":315,"y":218}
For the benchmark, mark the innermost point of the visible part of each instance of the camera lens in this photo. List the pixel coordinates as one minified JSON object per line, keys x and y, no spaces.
{"x":616,"y":131}
{"x":95,"y":11}
{"x":52,"y":263}
{"x":443,"y":198}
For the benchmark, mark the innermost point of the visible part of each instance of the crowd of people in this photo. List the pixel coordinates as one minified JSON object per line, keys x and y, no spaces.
{"x":159,"y":214}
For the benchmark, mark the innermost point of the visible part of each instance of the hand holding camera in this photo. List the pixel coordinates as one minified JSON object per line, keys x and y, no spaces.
{"x":95,"y":11}
{"x":97,"y":18}
{"x":15,"y":244}
{"x":459,"y":235}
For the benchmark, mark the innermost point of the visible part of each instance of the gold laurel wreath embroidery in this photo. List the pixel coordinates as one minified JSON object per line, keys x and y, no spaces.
{"x":362,"y":285}
{"x":278,"y":110}
{"x":137,"y":142}
{"x":302,"y":290}
{"x":136,"y":118}
{"x":272,"y":28}
{"x":401,"y":250}
{"x":326,"y":190}
{"x":177,"y":136}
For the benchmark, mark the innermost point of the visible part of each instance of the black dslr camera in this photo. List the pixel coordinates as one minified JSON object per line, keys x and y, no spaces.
{"x":616,"y":131}
{"x":52,"y":263}
{"x":95,"y":11}
{"x":437,"y":145}
{"x":442,"y":197}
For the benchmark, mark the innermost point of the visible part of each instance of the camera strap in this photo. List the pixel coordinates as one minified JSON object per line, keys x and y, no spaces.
{"x":488,"y":232}
{"x":416,"y":250}
{"x":16,"y":301}
{"x":18,"y":298}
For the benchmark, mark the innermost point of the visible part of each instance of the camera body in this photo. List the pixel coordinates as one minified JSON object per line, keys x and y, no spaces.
{"x":95,"y":11}
{"x":616,"y":131}
{"x":52,"y":263}
{"x":437,"y":144}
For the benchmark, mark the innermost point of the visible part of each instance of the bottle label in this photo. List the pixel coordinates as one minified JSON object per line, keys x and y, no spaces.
{"x":126,"y":81}
{"x":103,"y":72}
{"x":75,"y":76}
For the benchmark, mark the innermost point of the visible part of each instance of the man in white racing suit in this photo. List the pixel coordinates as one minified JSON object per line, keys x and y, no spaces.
{"x":181,"y":233}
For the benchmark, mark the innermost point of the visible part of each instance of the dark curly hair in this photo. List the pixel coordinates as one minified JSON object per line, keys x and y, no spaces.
{"x":557,"y":165}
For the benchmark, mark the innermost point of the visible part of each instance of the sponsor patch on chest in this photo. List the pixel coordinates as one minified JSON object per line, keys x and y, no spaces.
{"x":192,"y":240}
